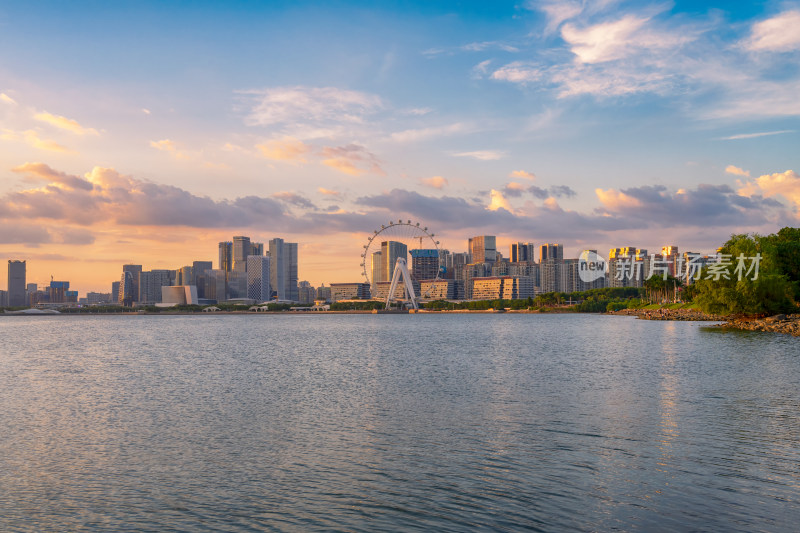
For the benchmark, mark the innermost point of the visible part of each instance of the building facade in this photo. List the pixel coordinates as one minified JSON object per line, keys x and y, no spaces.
{"x":226,"y":256}
{"x":16,"y":283}
{"x":483,"y":248}
{"x":349,"y":291}
{"x":258,"y":276}
{"x":283,"y":269}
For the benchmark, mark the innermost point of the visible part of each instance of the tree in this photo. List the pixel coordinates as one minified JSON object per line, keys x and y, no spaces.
{"x":770,"y":292}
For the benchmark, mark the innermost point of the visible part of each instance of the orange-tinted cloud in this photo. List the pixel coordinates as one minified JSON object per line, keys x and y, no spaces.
{"x":328,"y":192}
{"x":64,"y":123}
{"x":286,"y":149}
{"x":437,"y":182}
{"x":522,"y":174}
{"x":736,"y":171}
{"x":352,"y":159}
{"x":31,"y":137}
{"x":786,"y":184}
{"x":168,"y":145}
{"x":616,"y":200}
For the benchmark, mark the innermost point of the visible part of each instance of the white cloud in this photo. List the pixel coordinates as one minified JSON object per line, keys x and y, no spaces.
{"x":316,"y":108}
{"x":416,"y":135}
{"x":518,"y":72}
{"x":7,"y":99}
{"x":558,"y":12}
{"x":418,"y":111}
{"x":754,"y":135}
{"x":482,"y":155}
{"x":479,"y":47}
{"x":777,"y":34}
{"x":603,"y":42}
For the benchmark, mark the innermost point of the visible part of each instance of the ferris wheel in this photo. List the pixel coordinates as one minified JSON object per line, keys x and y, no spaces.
{"x":416,"y":240}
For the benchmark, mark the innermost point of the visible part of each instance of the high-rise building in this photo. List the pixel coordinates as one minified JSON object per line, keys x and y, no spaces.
{"x":126,"y":289}
{"x":3,"y":298}
{"x":237,"y":284}
{"x":283,"y":269}
{"x":306,"y":293}
{"x":16,"y":283}
{"x":424,"y":264}
{"x":483,"y":248}
{"x":376,"y":268}
{"x":522,"y":251}
{"x":324,"y":293}
{"x":134,"y":270}
{"x":390,"y":252}
{"x":241,"y":249}
{"x":258,"y":284}
{"x":226,"y":256}
{"x":199,"y":268}
{"x":454,"y":265}
{"x":215,"y":286}
{"x":185,"y":276}
{"x":115,"y":291}
{"x":150,"y":283}
{"x":551,"y":251}
{"x":256,"y":248}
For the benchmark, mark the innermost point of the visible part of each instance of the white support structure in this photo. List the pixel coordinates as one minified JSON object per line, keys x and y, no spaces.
{"x":401,"y":269}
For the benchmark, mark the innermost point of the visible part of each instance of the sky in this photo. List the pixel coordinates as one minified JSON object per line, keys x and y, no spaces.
{"x":147,"y":132}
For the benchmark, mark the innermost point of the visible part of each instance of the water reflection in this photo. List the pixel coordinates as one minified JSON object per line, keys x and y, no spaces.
{"x":395,"y":422}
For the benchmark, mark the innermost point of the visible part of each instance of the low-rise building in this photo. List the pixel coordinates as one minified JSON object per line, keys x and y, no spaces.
{"x":349,"y":291}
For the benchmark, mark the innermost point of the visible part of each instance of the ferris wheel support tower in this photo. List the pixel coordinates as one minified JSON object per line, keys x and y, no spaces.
{"x":401,"y":269}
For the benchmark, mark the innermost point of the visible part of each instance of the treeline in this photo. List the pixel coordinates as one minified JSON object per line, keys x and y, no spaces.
{"x":776,"y":288}
{"x":591,"y":301}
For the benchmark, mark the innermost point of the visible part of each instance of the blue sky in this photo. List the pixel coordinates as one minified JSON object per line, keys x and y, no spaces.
{"x":145,"y":132}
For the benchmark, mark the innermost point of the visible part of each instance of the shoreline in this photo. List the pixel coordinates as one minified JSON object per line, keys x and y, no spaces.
{"x":785,"y":324}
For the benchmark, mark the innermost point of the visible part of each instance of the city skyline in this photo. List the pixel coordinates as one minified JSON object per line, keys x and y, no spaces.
{"x":590,"y":124}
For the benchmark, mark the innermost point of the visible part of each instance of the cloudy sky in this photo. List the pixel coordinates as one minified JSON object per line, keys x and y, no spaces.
{"x":138,"y":132}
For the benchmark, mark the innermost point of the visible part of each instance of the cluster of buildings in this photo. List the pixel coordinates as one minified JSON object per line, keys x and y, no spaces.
{"x":248,"y":271}
{"x":483,"y":273}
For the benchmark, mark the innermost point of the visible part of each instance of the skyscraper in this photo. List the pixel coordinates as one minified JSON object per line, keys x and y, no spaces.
{"x":390,"y":252}
{"x":135,"y":270}
{"x":126,"y":289}
{"x":226,"y":256}
{"x":283,"y":269}
{"x":150,"y":283}
{"x":483,"y":248}
{"x":16,"y":283}
{"x":424,"y":264}
{"x":258,"y":274}
{"x":522,"y":251}
{"x":376,"y":268}
{"x":241,"y":249}
{"x":551,"y":251}
{"x":256,"y":248}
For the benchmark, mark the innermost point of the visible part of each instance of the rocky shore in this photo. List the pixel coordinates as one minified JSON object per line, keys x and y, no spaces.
{"x":788,"y":324}
{"x":669,"y":314}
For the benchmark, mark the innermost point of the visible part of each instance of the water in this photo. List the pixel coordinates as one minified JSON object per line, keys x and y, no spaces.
{"x":395,"y":422}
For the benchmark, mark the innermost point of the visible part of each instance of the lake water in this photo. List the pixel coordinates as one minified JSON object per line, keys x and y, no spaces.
{"x":396,"y":422}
